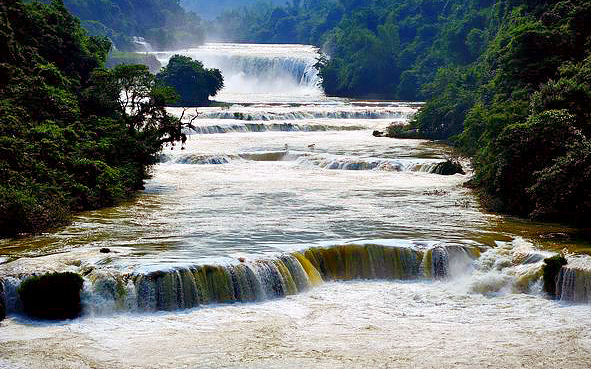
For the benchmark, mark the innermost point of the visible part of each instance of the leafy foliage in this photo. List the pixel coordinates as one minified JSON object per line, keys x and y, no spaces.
{"x":194,"y":83}
{"x":69,"y":139}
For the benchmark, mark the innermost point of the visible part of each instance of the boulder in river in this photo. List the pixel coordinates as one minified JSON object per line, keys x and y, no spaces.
{"x":54,"y":296}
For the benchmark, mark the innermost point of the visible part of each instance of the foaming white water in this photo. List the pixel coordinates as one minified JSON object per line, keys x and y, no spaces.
{"x":337,"y":325}
{"x":264,"y":69}
{"x":142,"y":44}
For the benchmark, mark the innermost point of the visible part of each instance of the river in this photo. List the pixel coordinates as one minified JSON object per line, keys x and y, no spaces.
{"x":284,"y":234}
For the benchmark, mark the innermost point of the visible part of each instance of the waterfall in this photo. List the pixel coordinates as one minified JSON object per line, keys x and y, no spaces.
{"x":449,"y":260}
{"x":2,"y":303}
{"x":307,"y":158}
{"x":266,"y":69}
{"x":574,"y":281}
{"x":142,"y":45}
{"x":261,"y":279}
{"x":394,"y":112}
{"x":183,"y":287}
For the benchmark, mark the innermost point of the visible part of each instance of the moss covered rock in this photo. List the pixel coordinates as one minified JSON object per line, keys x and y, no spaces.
{"x":448,"y":167}
{"x":551,"y":270}
{"x":53,"y":296}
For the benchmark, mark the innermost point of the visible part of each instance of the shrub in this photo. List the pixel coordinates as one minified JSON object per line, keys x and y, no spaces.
{"x":448,"y":167}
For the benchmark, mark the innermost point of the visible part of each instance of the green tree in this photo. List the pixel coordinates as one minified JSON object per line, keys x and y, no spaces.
{"x":193,"y":83}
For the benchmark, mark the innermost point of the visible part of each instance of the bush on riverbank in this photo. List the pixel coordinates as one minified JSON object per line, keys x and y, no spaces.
{"x":54,"y":296}
{"x":449,"y":167}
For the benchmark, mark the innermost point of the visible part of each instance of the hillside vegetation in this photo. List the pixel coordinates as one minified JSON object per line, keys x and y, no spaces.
{"x":162,"y":23}
{"x":525,"y":115}
{"x":69,"y":140}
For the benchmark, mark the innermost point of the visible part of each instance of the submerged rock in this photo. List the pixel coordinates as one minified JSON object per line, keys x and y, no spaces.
{"x":53,"y":296}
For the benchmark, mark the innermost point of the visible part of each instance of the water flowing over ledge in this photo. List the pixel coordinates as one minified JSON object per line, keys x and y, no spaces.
{"x":261,"y":69}
{"x":574,"y":280}
{"x":311,"y":159}
{"x":512,"y":266}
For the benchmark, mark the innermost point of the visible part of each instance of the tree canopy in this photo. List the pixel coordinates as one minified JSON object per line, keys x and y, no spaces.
{"x":522,"y":110}
{"x":193,"y":83}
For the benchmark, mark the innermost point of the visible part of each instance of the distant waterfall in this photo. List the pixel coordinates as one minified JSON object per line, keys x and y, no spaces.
{"x":142,"y":45}
{"x":260,"y":69}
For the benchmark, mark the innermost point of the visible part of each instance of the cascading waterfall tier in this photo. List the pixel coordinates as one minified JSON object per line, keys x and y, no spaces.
{"x":574,"y":281}
{"x":310,"y":159}
{"x":181,"y":287}
{"x":257,"y":280}
{"x":294,"y":114}
{"x":511,"y":265}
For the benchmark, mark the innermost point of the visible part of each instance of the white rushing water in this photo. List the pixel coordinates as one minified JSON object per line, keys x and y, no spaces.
{"x":283,"y":234}
{"x":269,"y":72}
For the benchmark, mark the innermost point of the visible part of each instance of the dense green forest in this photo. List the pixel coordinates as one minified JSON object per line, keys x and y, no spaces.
{"x":69,"y":139}
{"x":523,"y":112}
{"x":208,"y":9}
{"x":383,"y":49}
{"x":507,"y":82}
{"x":162,"y":23}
